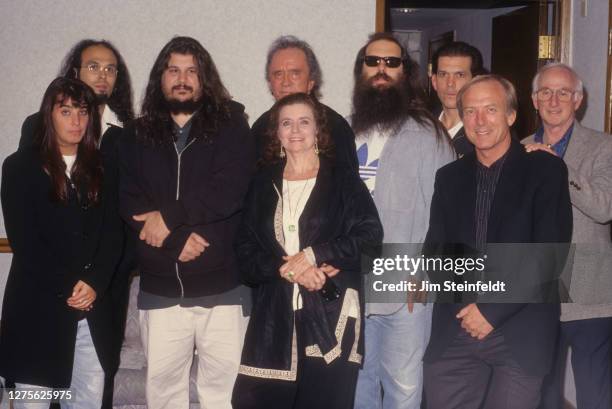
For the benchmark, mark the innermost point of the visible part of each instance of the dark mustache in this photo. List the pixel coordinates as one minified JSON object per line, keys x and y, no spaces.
{"x":182,"y":87}
{"x":380,"y":75}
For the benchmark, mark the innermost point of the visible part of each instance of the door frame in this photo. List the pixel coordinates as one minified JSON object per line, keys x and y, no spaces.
{"x":381,"y":16}
{"x":608,"y":114}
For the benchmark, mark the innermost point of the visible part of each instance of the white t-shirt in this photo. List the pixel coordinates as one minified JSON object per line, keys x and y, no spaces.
{"x":453,"y":131}
{"x":369,"y":148}
{"x":295,"y":196}
{"x":108,"y":118}
{"x":69,"y":161}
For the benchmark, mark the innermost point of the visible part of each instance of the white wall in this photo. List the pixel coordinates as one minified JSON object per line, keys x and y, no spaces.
{"x":36,"y":34}
{"x":589,"y":56}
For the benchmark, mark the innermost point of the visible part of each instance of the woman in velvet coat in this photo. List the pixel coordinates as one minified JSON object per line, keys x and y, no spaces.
{"x":306,"y":224}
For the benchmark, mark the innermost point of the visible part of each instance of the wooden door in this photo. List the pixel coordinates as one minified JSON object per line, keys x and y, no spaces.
{"x":514,"y":55}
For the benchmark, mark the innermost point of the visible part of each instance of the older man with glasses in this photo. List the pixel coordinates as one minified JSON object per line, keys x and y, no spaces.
{"x":586,"y":323}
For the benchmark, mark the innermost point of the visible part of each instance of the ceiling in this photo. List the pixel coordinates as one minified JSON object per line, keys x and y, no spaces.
{"x":420,"y":19}
{"x":458,"y":4}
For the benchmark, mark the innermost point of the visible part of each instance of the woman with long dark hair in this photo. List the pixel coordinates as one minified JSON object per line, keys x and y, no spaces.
{"x":60,"y":211}
{"x":306,"y":223}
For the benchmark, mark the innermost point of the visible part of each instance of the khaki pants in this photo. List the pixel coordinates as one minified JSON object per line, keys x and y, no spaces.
{"x":170,"y":336}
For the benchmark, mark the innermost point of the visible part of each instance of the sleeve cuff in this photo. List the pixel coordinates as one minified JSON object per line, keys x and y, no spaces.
{"x":310,"y":256}
{"x":174,"y":214}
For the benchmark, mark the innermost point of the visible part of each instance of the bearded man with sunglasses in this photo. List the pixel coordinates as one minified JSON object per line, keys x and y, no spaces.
{"x":400,"y":146}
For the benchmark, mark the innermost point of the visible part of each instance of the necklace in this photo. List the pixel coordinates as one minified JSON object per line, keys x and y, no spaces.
{"x":292,"y":212}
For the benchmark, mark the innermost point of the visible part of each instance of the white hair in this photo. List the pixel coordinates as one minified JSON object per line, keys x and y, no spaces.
{"x":578,"y":88}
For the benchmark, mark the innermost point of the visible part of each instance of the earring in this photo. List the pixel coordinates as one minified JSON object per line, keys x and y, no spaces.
{"x":316,"y":148}
{"x":281,"y":154}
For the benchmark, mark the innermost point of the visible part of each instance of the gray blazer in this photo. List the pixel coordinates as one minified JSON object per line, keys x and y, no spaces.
{"x":404,"y":187}
{"x":589,"y":162}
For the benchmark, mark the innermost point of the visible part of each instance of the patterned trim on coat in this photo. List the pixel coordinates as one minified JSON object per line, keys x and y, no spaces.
{"x":278,"y":220}
{"x":267,"y":373}
{"x":350,"y":308}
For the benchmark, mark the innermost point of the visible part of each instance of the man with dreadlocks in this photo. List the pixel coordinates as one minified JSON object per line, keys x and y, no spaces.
{"x":185,"y":166}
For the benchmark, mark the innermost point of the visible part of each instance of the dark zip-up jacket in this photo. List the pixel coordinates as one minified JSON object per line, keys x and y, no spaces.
{"x":201,"y":190}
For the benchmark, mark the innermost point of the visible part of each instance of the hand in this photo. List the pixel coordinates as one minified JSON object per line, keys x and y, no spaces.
{"x":312,"y":279}
{"x":294,"y":266}
{"x":474,"y":322}
{"x":194,"y":247}
{"x":416,"y":297}
{"x":532,"y":147}
{"x":329,"y":270}
{"x":83,"y":296}
{"x":154,"y":231}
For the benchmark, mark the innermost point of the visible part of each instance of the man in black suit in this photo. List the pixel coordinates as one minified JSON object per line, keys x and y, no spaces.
{"x":454,"y":65}
{"x":495,"y":355}
{"x":100,"y":65}
{"x":292,"y":67}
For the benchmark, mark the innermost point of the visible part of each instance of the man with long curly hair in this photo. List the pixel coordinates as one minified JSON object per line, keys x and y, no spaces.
{"x":185,"y":167}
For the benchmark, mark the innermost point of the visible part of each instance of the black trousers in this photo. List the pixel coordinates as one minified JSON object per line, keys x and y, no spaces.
{"x":318,"y":385}
{"x":473,"y":374}
{"x":591,"y":344}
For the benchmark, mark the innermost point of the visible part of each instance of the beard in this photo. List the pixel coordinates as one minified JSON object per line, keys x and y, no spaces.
{"x":383,"y":108}
{"x":102,"y":99}
{"x":188,"y":106}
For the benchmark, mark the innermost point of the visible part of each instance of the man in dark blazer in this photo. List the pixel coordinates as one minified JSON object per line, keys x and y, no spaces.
{"x":453,"y":65}
{"x":495,"y":355}
{"x":100,"y":65}
{"x":292,"y":67}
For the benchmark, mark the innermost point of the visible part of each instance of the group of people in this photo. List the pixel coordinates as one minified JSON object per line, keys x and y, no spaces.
{"x":249,"y":241}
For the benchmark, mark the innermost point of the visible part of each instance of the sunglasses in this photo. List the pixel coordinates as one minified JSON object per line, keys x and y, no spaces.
{"x":374,"y":60}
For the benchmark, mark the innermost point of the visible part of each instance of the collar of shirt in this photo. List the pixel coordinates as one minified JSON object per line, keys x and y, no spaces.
{"x":181,"y":134}
{"x":452,"y":131}
{"x":109,"y":118}
{"x":561,"y":145}
{"x":495,"y":166}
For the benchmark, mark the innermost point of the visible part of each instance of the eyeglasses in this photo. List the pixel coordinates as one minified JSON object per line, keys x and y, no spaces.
{"x":109,"y":70}
{"x":563,"y":94}
{"x":374,"y":60}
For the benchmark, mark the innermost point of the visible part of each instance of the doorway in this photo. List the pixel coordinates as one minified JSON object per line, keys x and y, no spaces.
{"x":490,"y":26}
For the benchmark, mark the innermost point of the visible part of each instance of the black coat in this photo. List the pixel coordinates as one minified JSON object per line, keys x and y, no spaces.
{"x":339,"y":222}
{"x":461,"y":143}
{"x":54,"y":246}
{"x":531,"y":205}
{"x":119,"y":285}
{"x":342,"y":137}
{"x":214,"y":171}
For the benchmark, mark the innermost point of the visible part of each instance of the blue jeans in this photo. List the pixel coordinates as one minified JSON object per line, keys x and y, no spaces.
{"x":393,"y":361}
{"x":87,"y":383}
